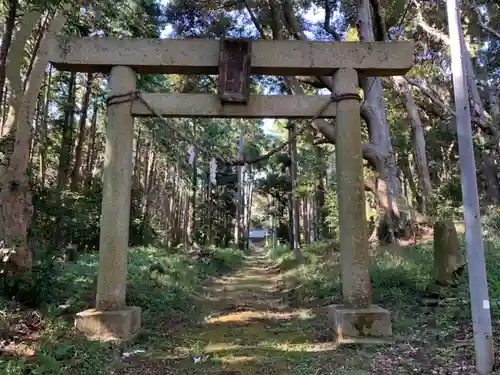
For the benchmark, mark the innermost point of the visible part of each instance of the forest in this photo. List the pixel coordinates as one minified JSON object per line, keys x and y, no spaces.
{"x":214,"y":299}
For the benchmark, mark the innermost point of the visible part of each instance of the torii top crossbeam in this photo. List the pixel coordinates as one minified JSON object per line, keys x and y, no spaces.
{"x":201,"y":56}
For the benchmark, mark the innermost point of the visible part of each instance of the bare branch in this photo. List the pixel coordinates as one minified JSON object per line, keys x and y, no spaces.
{"x":255,"y":21}
{"x":484,"y":26}
{"x":428,"y":28}
{"x":446,"y":109}
{"x":326,"y":24}
{"x":379,"y":20}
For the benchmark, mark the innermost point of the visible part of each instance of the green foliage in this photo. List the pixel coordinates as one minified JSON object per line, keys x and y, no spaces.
{"x":222,"y":260}
{"x":65,"y":217}
{"x":283,"y":257}
{"x":401,"y":277}
{"x":64,"y":222}
{"x":392,"y":275}
{"x":315,"y":276}
{"x":332,"y":218}
{"x":491,"y":221}
{"x":158,"y":281}
{"x":34,"y":291}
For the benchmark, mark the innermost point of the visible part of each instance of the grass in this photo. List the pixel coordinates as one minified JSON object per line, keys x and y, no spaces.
{"x":266,"y":317}
{"x":244,"y":327}
{"x":427,"y":337}
{"x":44,"y":342}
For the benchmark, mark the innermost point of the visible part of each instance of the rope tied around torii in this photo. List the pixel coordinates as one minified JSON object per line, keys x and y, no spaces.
{"x":136,"y":95}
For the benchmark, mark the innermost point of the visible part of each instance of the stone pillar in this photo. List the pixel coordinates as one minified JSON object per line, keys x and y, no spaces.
{"x":117,"y":185}
{"x":112,"y":319}
{"x":356,"y":285}
{"x":357,"y":319}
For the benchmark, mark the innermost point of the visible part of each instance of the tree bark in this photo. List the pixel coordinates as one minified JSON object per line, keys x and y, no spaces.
{"x":10,"y":20}
{"x":63,"y":169}
{"x":92,"y":149}
{"x":75,"y":173}
{"x":418,"y":138}
{"x":238,"y":228}
{"x":38,"y":39}
{"x":16,"y":207}
{"x":15,"y":59}
{"x":293,"y":201}
{"x":43,"y":129}
{"x":378,"y":127}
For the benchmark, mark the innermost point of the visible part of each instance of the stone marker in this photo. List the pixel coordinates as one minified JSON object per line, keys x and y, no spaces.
{"x":357,"y":320}
{"x":448,"y":257}
{"x":112,"y":319}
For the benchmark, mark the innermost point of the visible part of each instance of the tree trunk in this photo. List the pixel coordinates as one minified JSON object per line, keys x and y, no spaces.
{"x":312,"y":219}
{"x":75,"y":174}
{"x":294,"y":203}
{"x":151,"y":173}
{"x":248,"y":205}
{"x":405,"y":168}
{"x":238,"y":228}
{"x":38,"y":39}
{"x":16,"y":209}
{"x":194,"y":189}
{"x":36,"y":134}
{"x":185,"y":218}
{"x":378,"y":129}
{"x":417,"y":131}
{"x":10,"y":20}
{"x":136,"y":176}
{"x":490,"y":174}
{"x":15,"y":60}
{"x":43,"y":128}
{"x":305,"y":220}
{"x":320,"y":207}
{"x":167,"y":194}
{"x":92,"y":149}
{"x":67,"y":135}
{"x":144,"y":186}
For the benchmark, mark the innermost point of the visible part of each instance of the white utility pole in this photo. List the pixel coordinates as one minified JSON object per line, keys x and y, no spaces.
{"x":478,"y":285}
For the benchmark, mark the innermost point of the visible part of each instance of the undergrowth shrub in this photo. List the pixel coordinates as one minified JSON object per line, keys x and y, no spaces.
{"x":491,"y":222}
{"x":66,"y":222}
{"x":400,"y":276}
{"x":492,"y":248}
{"x":221,"y":260}
{"x":158,"y":281}
{"x":64,"y":217}
{"x":314,"y":277}
{"x":393,"y":275}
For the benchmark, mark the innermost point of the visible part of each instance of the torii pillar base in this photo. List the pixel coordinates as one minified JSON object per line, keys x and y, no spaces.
{"x":370,"y":325}
{"x":116,"y":325}
{"x":357,"y":320}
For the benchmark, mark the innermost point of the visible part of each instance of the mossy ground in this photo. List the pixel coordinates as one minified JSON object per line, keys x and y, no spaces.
{"x":265,"y":317}
{"x":245,"y":326}
{"x":269,"y":318}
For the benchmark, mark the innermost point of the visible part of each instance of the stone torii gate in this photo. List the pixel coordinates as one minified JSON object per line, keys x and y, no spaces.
{"x":234,"y":61}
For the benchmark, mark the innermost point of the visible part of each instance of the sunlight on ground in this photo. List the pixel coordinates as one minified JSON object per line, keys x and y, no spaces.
{"x":283,"y":346}
{"x":247,"y":327}
{"x":248,"y":316}
{"x":238,"y":359}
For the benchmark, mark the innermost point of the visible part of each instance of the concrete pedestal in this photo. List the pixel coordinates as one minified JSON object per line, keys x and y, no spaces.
{"x":114,"y":325}
{"x":364,"y":326}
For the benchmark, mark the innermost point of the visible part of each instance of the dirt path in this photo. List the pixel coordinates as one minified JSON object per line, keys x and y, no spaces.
{"x":244,"y":328}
